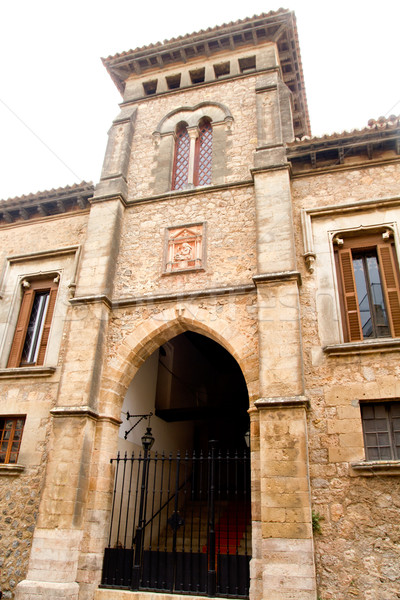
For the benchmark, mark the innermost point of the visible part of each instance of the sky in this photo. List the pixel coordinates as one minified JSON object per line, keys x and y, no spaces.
{"x":57,"y":100}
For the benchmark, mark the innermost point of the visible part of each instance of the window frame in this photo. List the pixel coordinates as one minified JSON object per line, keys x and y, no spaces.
{"x":203,"y":148}
{"x":29,"y":291}
{"x":11,"y":441}
{"x":349,"y":243}
{"x":182,"y":139}
{"x":390,"y":431}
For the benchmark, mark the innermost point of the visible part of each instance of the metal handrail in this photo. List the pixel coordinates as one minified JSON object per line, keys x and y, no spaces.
{"x":168,"y":501}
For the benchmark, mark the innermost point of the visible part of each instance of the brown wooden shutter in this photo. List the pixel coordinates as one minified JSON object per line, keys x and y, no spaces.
{"x":352,"y":313}
{"x":20,"y":331}
{"x":47,"y":325}
{"x":391,"y":286}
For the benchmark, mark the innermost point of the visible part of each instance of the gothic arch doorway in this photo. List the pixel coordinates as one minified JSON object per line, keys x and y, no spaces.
{"x":181,"y":510}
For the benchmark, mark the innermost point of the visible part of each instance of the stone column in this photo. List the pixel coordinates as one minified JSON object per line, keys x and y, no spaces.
{"x":193,"y":135}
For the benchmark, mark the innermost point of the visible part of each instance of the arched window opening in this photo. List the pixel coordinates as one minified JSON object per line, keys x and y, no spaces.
{"x":181,"y":162}
{"x":203,"y":163}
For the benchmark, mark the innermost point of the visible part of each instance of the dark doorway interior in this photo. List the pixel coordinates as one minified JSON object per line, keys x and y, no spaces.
{"x":198,"y":380}
{"x":181,"y":520}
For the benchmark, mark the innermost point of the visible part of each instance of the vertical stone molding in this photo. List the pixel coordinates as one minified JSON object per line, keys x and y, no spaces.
{"x":96,"y":276}
{"x":114,"y":174}
{"x":286,"y":568}
{"x":275,"y":236}
{"x":281,"y":365}
{"x":80,"y":377}
{"x":269,"y":129}
{"x":274,"y":112}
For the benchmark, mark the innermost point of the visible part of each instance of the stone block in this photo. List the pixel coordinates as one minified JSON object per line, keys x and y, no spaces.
{"x":288,"y":530}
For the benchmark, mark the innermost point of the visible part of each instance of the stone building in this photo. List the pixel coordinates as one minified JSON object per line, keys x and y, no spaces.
{"x":230,"y":278}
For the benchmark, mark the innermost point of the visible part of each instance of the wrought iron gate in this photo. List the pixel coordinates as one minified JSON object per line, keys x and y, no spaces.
{"x":180,"y":524}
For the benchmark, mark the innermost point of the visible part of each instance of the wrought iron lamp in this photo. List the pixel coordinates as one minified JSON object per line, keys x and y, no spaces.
{"x":147,"y":440}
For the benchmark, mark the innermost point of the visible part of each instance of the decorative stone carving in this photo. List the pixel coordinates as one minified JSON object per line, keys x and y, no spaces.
{"x":184,"y":248}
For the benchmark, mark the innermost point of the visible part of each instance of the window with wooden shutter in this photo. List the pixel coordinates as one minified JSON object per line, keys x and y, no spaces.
{"x":10,"y":438}
{"x":34,"y":322}
{"x":369,"y":287}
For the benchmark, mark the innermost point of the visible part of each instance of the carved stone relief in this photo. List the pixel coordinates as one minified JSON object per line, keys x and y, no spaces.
{"x":184,"y":248}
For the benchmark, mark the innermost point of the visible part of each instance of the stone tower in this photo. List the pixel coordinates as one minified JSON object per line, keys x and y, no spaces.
{"x":220,"y":238}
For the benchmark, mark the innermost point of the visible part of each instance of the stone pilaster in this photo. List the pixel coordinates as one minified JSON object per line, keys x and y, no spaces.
{"x":282,"y":567}
{"x":58,"y":534}
{"x":285,"y":568}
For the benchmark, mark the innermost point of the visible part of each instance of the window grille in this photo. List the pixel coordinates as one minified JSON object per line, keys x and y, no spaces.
{"x":204,"y":160}
{"x":381,"y":428}
{"x":181,"y":166}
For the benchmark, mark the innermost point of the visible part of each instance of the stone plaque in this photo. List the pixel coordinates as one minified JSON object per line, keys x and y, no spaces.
{"x":184,"y":248}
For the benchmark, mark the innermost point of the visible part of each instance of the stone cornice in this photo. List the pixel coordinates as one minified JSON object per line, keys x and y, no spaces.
{"x":282,"y":402}
{"x":206,"y":189}
{"x":11,"y":469}
{"x":82,"y":411}
{"x":26,"y":372}
{"x":92,"y":300}
{"x":43,"y":254}
{"x":183,"y":296}
{"x":170,"y":297}
{"x":376,"y":345}
{"x":369,"y":468}
{"x":108,"y":197}
{"x":278,"y":276}
{"x":274,"y":167}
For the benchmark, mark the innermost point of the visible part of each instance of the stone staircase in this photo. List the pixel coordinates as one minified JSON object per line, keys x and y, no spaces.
{"x":232,"y":529}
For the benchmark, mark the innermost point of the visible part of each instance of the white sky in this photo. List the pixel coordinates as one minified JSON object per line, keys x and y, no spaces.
{"x":53,"y":81}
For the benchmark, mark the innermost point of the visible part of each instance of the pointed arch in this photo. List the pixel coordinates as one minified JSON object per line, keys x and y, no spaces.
{"x":152,"y":333}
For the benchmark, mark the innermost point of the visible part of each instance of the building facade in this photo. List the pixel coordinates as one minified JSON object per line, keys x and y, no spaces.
{"x":234,"y":279}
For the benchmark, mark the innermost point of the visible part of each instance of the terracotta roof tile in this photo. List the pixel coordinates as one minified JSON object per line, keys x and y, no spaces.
{"x":77,"y":188}
{"x":196,"y":33}
{"x":373,"y":124}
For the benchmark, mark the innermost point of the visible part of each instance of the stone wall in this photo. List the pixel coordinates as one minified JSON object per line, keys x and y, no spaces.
{"x":229,"y":239}
{"x":357,"y":548}
{"x":20,"y":492}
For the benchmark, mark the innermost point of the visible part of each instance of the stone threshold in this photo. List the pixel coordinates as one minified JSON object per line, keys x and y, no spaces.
{"x":108,"y":594}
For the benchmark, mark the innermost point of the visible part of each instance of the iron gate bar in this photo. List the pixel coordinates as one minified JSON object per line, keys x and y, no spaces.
{"x":196,"y":539}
